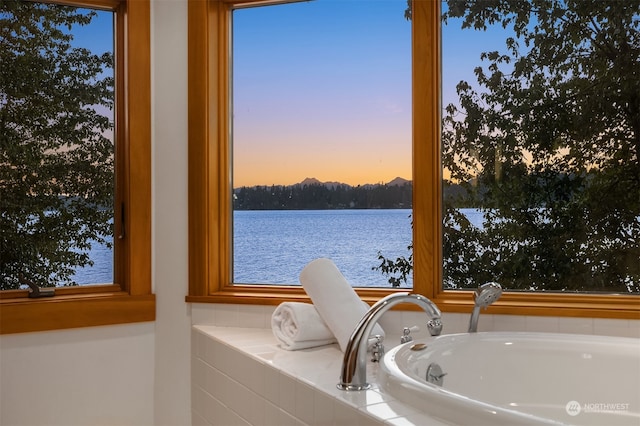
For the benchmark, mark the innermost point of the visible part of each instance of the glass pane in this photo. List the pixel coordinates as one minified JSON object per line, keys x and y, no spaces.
{"x":321,"y":139}
{"x":56,"y":145}
{"x":540,"y":146}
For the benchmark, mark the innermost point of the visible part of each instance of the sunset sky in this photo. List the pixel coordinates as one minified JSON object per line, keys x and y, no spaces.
{"x":323,"y":89}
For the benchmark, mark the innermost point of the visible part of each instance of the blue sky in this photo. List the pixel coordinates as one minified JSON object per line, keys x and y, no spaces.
{"x":323,"y":89}
{"x":98,"y":35}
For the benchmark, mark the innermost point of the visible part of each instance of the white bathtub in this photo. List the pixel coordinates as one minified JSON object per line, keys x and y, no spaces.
{"x":519,"y":378}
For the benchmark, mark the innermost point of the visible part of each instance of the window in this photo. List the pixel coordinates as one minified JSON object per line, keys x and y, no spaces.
{"x":210,"y":189}
{"x":58,"y":169}
{"x":128,"y":298}
{"x":540,"y":149}
{"x":321,"y":139}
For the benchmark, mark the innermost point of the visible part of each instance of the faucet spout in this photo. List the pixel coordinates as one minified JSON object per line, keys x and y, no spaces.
{"x":354,"y":365}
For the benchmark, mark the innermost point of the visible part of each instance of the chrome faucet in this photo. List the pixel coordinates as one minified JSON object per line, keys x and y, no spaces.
{"x":484,"y":295}
{"x":354,"y":365}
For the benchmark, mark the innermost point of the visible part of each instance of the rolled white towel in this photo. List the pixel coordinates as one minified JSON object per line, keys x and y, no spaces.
{"x":336,"y":301}
{"x":299,"y":326}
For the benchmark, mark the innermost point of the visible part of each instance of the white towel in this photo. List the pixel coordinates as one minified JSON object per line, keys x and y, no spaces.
{"x":299,"y":326}
{"x":336,"y":301}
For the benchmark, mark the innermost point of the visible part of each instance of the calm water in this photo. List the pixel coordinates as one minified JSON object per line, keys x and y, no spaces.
{"x":102,"y":270}
{"x":273,"y":246}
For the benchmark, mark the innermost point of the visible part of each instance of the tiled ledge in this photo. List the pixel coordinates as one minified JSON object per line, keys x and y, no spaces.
{"x":237,"y":366}
{"x":259,"y":316}
{"x":241,"y":377}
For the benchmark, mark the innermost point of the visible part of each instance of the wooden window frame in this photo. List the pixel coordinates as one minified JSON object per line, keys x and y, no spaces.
{"x":130,"y":299}
{"x":210,"y":233}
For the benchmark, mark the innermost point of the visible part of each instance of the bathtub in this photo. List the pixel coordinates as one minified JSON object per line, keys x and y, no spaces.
{"x":508,"y":378}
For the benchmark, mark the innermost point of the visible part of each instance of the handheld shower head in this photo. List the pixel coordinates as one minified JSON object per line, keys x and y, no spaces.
{"x":486,"y":294}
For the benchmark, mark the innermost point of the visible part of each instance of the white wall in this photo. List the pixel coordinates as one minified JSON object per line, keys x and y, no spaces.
{"x":173,"y":321}
{"x":98,"y":375}
{"x":134,"y":374}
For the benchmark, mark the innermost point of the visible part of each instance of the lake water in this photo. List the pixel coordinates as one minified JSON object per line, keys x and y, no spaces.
{"x":102,"y":270}
{"x":272,"y":246}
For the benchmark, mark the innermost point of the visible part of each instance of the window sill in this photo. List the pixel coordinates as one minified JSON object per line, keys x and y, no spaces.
{"x":531,"y":304}
{"x":21,"y":314}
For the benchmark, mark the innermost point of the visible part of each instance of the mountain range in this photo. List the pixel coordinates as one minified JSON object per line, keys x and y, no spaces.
{"x":313,"y":194}
{"x":398,"y":181}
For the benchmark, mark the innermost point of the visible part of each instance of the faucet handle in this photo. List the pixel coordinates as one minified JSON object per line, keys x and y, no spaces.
{"x":377,"y":351}
{"x":406,"y":334}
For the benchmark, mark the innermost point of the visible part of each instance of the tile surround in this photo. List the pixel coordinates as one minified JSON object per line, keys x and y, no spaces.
{"x":259,"y":316}
{"x":241,"y":377}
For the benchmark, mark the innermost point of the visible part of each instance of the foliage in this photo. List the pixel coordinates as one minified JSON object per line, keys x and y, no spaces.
{"x":322,"y":197}
{"x":547,"y":141}
{"x":397,"y":271}
{"x":56,"y":159}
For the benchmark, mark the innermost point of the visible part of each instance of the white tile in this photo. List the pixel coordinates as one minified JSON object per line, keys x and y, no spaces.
{"x":217,"y":384}
{"x":198,"y":372}
{"x":198,"y":420}
{"x":250,"y":407}
{"x":227,"y":417}
{"x":542,"y":324}
{"x":272,"y":415}
{"x":616,"y":327}
{"x":255,"y":316}
{"x":322,"y":367}
{"x":387,"y":410}
{"x":287,"y":393}
{"x":241,"y":401}
{"x":209,"y":348}
{"x":225,"y":315}
{"x":202,"y":314}
{"x":265,"y":352}
{"x":271,"y":391}
{"x":323,"y":409}
{"x":198,"y":401}
{"x":391,"y":323}
{"x":257,"y":377}
{"x":634,"y":328}
{"x":414,"y":419}
{"x":364,"y":398}
{"x":575,"y":325}
{"x":246,"y":337}
{"x":344,"y":415}
{"x":288,"y":419}
{"x":415,"y":319}
{"x":195,"y":342}
{"x":298,"y":387}
{"x":234,"y":364}
{"x":304,"y":402}
{"x":400,"y":421}
{"x":218,"y":414}
{"x":364,"y":419}
{"x":485,"y":322}
{"x":453,"y":323}
{"x":503,"y":323}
